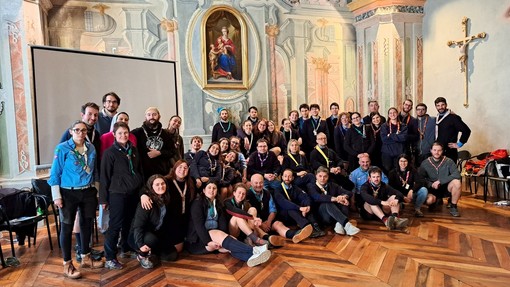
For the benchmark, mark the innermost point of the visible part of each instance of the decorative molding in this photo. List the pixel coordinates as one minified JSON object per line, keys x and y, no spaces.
{"x":321,"y":64}
{"x":14,"y":31}
{"x":101,"y":8}
{"x":389,"y":10}
{"x":170,"y":26}
{"x":272,"y":30}
{"x":419,"y":69}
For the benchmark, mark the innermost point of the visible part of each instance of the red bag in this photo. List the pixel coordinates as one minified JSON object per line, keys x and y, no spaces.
{"x":498,"y":154}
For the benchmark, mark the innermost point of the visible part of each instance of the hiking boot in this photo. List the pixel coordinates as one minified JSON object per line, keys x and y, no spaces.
{"x":259,"y":257}
{"x":401,"y":222}
{"x":145,"y":261}
{"x":303,"y":234}
{"x":70,"y":271}
{"x":418,"y":213}
{"x":351,"y":229}
{"x":454,"y":211}
{"x":113,"y":264}
{"x":88,"y":262}
{"x":339,"y":229}
{"x":390,"y":222}
{"x":276,"y":241}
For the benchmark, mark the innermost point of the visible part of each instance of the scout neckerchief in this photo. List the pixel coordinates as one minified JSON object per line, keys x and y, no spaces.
{"x":363,"y":134}
{"x":212,"y":163}
{"x":82,"y":158}
{"x":183,"y":195}
{"x":129,"y":154}
{"x":262,"y":161}
{"x":323,"y":155}
{"x":223,"y":129}
{"x":438,"y":121}
{"x":285,"y":189}
{"x":259,"y":198}
{"x":422,"y":129}
{"x":212,"y":208}
{"x":398,"y":128}
{"x":316,"y":122}
{"x":295,"y":161}
{"x":439,"y":165}
{"x":237,"y":205}
{"x":376,"y":191}
{"x":375,"y":130}
{"x":322,"y":188}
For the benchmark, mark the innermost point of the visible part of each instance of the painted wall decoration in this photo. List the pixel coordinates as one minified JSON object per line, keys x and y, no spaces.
{"x":225,"y":59}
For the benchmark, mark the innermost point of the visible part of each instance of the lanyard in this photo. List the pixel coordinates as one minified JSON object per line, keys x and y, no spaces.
{"x":376,"y":191}
{"x":316,"y":128}
{"x":183,"y":195}
{"x":262,"y":160}
{"x":259,"y":198}
{"x":404,"y":182}
{"x":398,"y":128}
{"x":324,"y":155}
{"x":225,"y":130}
{"x":285,"y":189}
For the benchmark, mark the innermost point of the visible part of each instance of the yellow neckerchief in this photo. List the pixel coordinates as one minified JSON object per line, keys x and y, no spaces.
{"x":285,"y":189}
{"x":321,"y":188}
{"x":292,"y":157}
{"x":324,"y":155}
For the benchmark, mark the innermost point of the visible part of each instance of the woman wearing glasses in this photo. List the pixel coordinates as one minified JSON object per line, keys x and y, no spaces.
{"x":72,"y":178}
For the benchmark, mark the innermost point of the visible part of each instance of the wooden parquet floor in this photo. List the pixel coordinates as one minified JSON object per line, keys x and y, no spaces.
{"x":473,"y":250}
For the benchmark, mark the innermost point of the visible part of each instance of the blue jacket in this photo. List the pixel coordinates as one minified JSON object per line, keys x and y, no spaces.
{"x":67,"y":169}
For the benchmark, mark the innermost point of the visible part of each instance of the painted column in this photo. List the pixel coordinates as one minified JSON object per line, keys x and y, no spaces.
{"x":322,"y":67}
{"x":170,"y":26}
{"x":271,"y":32}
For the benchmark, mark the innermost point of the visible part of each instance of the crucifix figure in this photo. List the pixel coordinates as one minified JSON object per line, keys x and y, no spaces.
{"x":463,"y":45}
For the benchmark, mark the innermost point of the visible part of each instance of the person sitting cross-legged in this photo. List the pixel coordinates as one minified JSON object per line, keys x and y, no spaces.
{"x":381,"y":201}
{"x":243,"y":220}
{"x":294,"y":205}
{"x":331,"y":202}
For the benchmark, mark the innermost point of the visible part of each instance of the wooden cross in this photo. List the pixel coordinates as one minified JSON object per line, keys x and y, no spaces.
{"x":463,"y":45}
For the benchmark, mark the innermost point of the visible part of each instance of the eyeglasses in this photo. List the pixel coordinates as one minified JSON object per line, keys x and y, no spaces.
{"x":355,"y":118}
{"x":111,"y":102}
{"x":79,"y":131}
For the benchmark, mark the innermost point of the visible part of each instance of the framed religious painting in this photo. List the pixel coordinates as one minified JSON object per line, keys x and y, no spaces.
{"x":224,"y":49}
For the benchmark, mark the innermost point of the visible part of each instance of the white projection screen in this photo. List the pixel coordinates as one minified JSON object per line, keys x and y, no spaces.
{"x":64,"y":80}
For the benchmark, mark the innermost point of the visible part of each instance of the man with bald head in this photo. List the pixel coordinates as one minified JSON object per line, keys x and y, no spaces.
{"x":262,"y":200}
{"x":155,"y":145}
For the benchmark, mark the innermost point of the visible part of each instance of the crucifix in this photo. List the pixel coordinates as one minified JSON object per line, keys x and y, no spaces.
{"x":463,"y":45}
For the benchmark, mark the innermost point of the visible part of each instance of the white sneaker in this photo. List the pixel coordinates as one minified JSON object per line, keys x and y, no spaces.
{"x":259,"y":249}
{"x":351,"y":229}
{"x":339,"y":229}
{"x":258,"y":258}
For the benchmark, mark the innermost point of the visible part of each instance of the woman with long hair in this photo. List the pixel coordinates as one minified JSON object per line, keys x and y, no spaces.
{"x":393,"y":137}
{"x":151,"y":233}
{"x":207,"y":165}
{"x":376,"y":125}
{"x":248,"y":138}
{"x":359,"y":139}
{"x":224,"y":146}
{"x":297,"y":162}
{"x":406,"y":179}
{"x":277,"y":143}
{"x":208,"y":230}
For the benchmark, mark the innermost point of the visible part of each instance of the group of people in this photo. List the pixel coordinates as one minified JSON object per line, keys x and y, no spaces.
{"x":254,"y":187}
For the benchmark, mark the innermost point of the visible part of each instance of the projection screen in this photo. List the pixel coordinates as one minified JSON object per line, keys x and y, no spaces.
{"x":64,"y":80}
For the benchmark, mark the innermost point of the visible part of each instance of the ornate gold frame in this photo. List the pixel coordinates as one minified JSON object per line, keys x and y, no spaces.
{"x":207,"y":70}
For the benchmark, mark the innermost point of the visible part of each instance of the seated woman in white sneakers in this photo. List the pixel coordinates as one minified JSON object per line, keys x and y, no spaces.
{"x":207,"y":230}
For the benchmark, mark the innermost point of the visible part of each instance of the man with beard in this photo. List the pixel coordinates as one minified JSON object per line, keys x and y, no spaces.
{"x":448,"y":126}
{"x":412,"y":128}
{"x":173,"y":129}
{"x":426,"y":130}
{"x":155,"y":144}
{"x":89,"y":115}
{"x":224,"y":128}
{"x":442,"y":178}
{"x":111,"y":102}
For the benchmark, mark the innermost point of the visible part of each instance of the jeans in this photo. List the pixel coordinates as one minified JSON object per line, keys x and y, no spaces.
{"x":330,"y":212}
{"x":419,"y":197}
